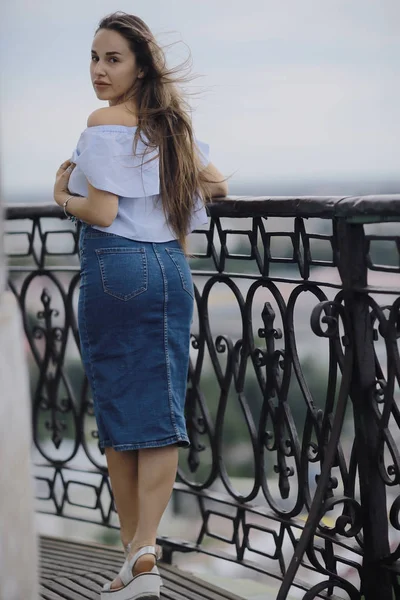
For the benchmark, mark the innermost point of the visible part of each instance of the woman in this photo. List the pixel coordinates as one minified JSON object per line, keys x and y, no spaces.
{"x":137,"y":181}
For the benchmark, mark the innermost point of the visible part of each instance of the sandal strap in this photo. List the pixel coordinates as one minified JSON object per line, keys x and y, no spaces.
{"x":128,"y":547}
{"x":126,"y":571}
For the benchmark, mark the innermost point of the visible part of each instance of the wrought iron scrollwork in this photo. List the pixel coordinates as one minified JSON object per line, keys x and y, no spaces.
{"x":305,"y":515}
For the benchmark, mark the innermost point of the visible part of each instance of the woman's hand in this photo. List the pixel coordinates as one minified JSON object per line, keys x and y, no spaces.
{"x":62,"y":179}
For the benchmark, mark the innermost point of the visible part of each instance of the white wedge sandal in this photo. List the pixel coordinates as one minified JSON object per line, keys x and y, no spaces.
{"x":145,"y":586}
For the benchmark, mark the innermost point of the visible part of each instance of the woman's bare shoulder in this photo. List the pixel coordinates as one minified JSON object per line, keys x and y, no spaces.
{"x":112,"y":115}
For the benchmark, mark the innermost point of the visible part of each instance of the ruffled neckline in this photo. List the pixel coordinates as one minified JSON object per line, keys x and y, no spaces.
{"x":110,"y":128}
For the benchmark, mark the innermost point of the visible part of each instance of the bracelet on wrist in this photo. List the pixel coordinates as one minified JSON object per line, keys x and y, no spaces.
{"x":64,"y":205}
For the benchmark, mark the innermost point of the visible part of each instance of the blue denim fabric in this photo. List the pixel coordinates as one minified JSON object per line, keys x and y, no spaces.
{"x":134,"y":315}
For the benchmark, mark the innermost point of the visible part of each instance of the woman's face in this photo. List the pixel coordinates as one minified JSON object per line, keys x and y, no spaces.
{"x":113,"y":64}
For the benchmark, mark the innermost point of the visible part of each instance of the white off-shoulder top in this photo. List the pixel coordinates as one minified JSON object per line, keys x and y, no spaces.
{"x":104,"y":157}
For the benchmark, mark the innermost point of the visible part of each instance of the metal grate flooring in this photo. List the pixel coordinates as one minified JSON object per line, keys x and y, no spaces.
{"x":76,"y":571}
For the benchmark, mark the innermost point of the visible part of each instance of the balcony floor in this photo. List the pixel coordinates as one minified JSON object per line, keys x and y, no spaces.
{"x":76,"y":571}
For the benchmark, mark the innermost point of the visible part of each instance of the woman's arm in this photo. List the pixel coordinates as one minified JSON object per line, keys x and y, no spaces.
{"x":216,"y":185}
{"x":99,"y":208}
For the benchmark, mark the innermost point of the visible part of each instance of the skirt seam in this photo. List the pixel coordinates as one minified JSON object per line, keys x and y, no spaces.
{"x":88,"y":341}
{"x":167,"y":364}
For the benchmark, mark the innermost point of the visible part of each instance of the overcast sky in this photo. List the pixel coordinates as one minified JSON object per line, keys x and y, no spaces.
{"x":290,"y":88}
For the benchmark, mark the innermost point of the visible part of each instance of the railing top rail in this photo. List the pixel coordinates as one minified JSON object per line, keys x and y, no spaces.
{"x":374,"y":207}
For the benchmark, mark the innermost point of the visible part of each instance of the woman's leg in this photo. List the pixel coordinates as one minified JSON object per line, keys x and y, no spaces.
{"x":123,"y":471}
{"x":156,"y":476}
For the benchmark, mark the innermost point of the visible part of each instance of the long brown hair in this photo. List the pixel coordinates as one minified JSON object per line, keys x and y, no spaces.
{"x":164,"y":121}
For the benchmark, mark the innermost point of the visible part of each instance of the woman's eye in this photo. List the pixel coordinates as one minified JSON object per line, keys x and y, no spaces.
{"x":96,"y":58}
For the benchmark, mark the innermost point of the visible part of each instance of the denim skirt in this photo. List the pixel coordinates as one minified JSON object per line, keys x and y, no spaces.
{"x":134,"y":315}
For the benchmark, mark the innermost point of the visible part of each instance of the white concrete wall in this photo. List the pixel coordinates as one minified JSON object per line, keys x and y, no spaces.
{"x":18,"y":543}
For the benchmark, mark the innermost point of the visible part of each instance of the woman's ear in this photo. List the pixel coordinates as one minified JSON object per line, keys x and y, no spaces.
{"x":142,"y":73}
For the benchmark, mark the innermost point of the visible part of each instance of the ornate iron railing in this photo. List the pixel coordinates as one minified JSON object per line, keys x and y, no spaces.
{"x":292,"y":401}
